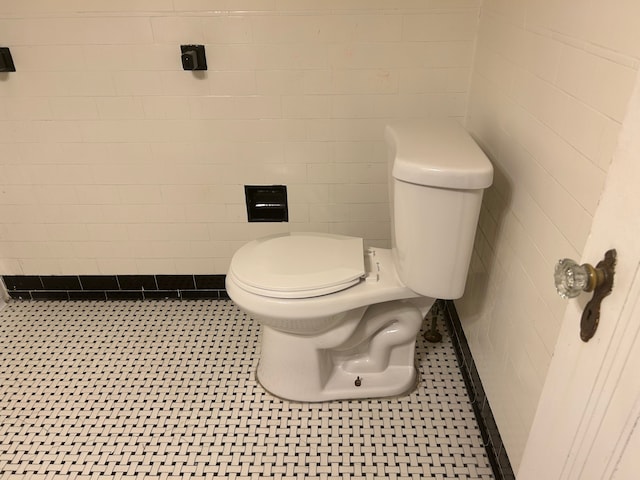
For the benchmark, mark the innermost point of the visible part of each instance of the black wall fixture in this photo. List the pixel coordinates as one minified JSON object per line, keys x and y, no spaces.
{"x":266,"y":203}
{"x":193,"y":57}
{"x":6,"y":60}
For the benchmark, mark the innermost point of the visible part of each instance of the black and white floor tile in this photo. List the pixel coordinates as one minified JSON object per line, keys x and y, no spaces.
{"x":167,"y":389}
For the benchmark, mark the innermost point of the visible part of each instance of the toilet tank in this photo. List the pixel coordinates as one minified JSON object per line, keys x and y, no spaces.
{"x":437,"y":177}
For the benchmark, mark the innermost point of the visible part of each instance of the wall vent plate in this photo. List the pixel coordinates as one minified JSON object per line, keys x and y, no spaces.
{"x":266,"y":203}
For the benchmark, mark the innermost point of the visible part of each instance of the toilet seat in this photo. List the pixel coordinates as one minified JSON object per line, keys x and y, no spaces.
{"x":298,"y":265}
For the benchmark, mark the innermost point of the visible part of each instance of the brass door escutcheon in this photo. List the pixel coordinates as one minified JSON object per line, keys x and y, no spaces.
{"x":591,"y":316}
{"x":571,"y":279}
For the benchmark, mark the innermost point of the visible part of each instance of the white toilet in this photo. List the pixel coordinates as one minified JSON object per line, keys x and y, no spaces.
{"x":339,"y":321}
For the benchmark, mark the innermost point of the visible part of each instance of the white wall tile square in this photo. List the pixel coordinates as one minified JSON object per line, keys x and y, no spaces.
{"x":599,"y":82}
{"x":119,"y":107}
{"x":73,"y":108}
{"x":440,"y":27}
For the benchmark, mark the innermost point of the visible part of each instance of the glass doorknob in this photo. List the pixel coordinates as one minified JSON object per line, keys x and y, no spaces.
{"x":571,"y":278}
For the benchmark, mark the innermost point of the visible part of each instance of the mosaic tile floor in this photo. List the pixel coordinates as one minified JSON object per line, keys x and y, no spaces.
{"x":167,"y":389}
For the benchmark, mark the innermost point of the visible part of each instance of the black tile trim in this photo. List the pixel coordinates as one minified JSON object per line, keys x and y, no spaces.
{"x":137,"y":282}
{"x":23,"y":282}
{"x":115,"y":287}
{"x":49,"y":295}
{"x":87,"y":295}
{"x":161,"y":294}
{"x":175,"y":282}
{"x":99,"y":282}
{"x":125,"y":295}
{"x":488,"y":428}
{"x":213,"y":282}
{"x":61,"y":282}
{"x":197,"y":294}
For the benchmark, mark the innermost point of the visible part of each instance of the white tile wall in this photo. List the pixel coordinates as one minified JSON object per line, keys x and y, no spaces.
{"x":550,"y":86}
{"x":115,"y":160}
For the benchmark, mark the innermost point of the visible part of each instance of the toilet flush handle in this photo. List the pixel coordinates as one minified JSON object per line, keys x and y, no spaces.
{"x":571,"y":279}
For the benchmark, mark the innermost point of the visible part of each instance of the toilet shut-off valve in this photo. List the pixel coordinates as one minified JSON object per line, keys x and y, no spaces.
{"x":571,"y":279}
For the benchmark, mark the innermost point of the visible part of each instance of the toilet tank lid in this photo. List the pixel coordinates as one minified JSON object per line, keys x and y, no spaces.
{"x":438,"y":153}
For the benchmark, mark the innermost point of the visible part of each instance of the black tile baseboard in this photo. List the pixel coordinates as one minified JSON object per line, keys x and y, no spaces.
{"x":137,"y":282}
{"x":99,"y":282}
{"x":114,"y":287}
{"x":490,"y":435}
{"x":62,"y":282}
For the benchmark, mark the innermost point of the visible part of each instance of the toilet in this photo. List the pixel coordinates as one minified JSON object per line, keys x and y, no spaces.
{"x":340,"y":321}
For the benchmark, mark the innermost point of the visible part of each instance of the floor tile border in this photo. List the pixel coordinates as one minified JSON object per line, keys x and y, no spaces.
{"x":489,"y":429}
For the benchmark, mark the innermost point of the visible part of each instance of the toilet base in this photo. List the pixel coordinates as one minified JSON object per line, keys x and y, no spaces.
{"x":395,"y":381}
{"x":370,"y":355}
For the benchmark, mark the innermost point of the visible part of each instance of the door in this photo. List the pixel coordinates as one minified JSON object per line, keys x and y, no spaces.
{"x":588,"y":419}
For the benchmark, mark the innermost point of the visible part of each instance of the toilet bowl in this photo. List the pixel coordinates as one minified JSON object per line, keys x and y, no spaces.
{"x":358,"y":341}
{"x":340,"y":321}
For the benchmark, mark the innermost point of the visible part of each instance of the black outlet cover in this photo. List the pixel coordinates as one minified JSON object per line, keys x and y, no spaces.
{"x":6,"y":60}
{"x":193,"y":57}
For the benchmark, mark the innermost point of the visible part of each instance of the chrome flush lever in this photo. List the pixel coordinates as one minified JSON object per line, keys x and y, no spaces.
{"x":571,"y":279}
